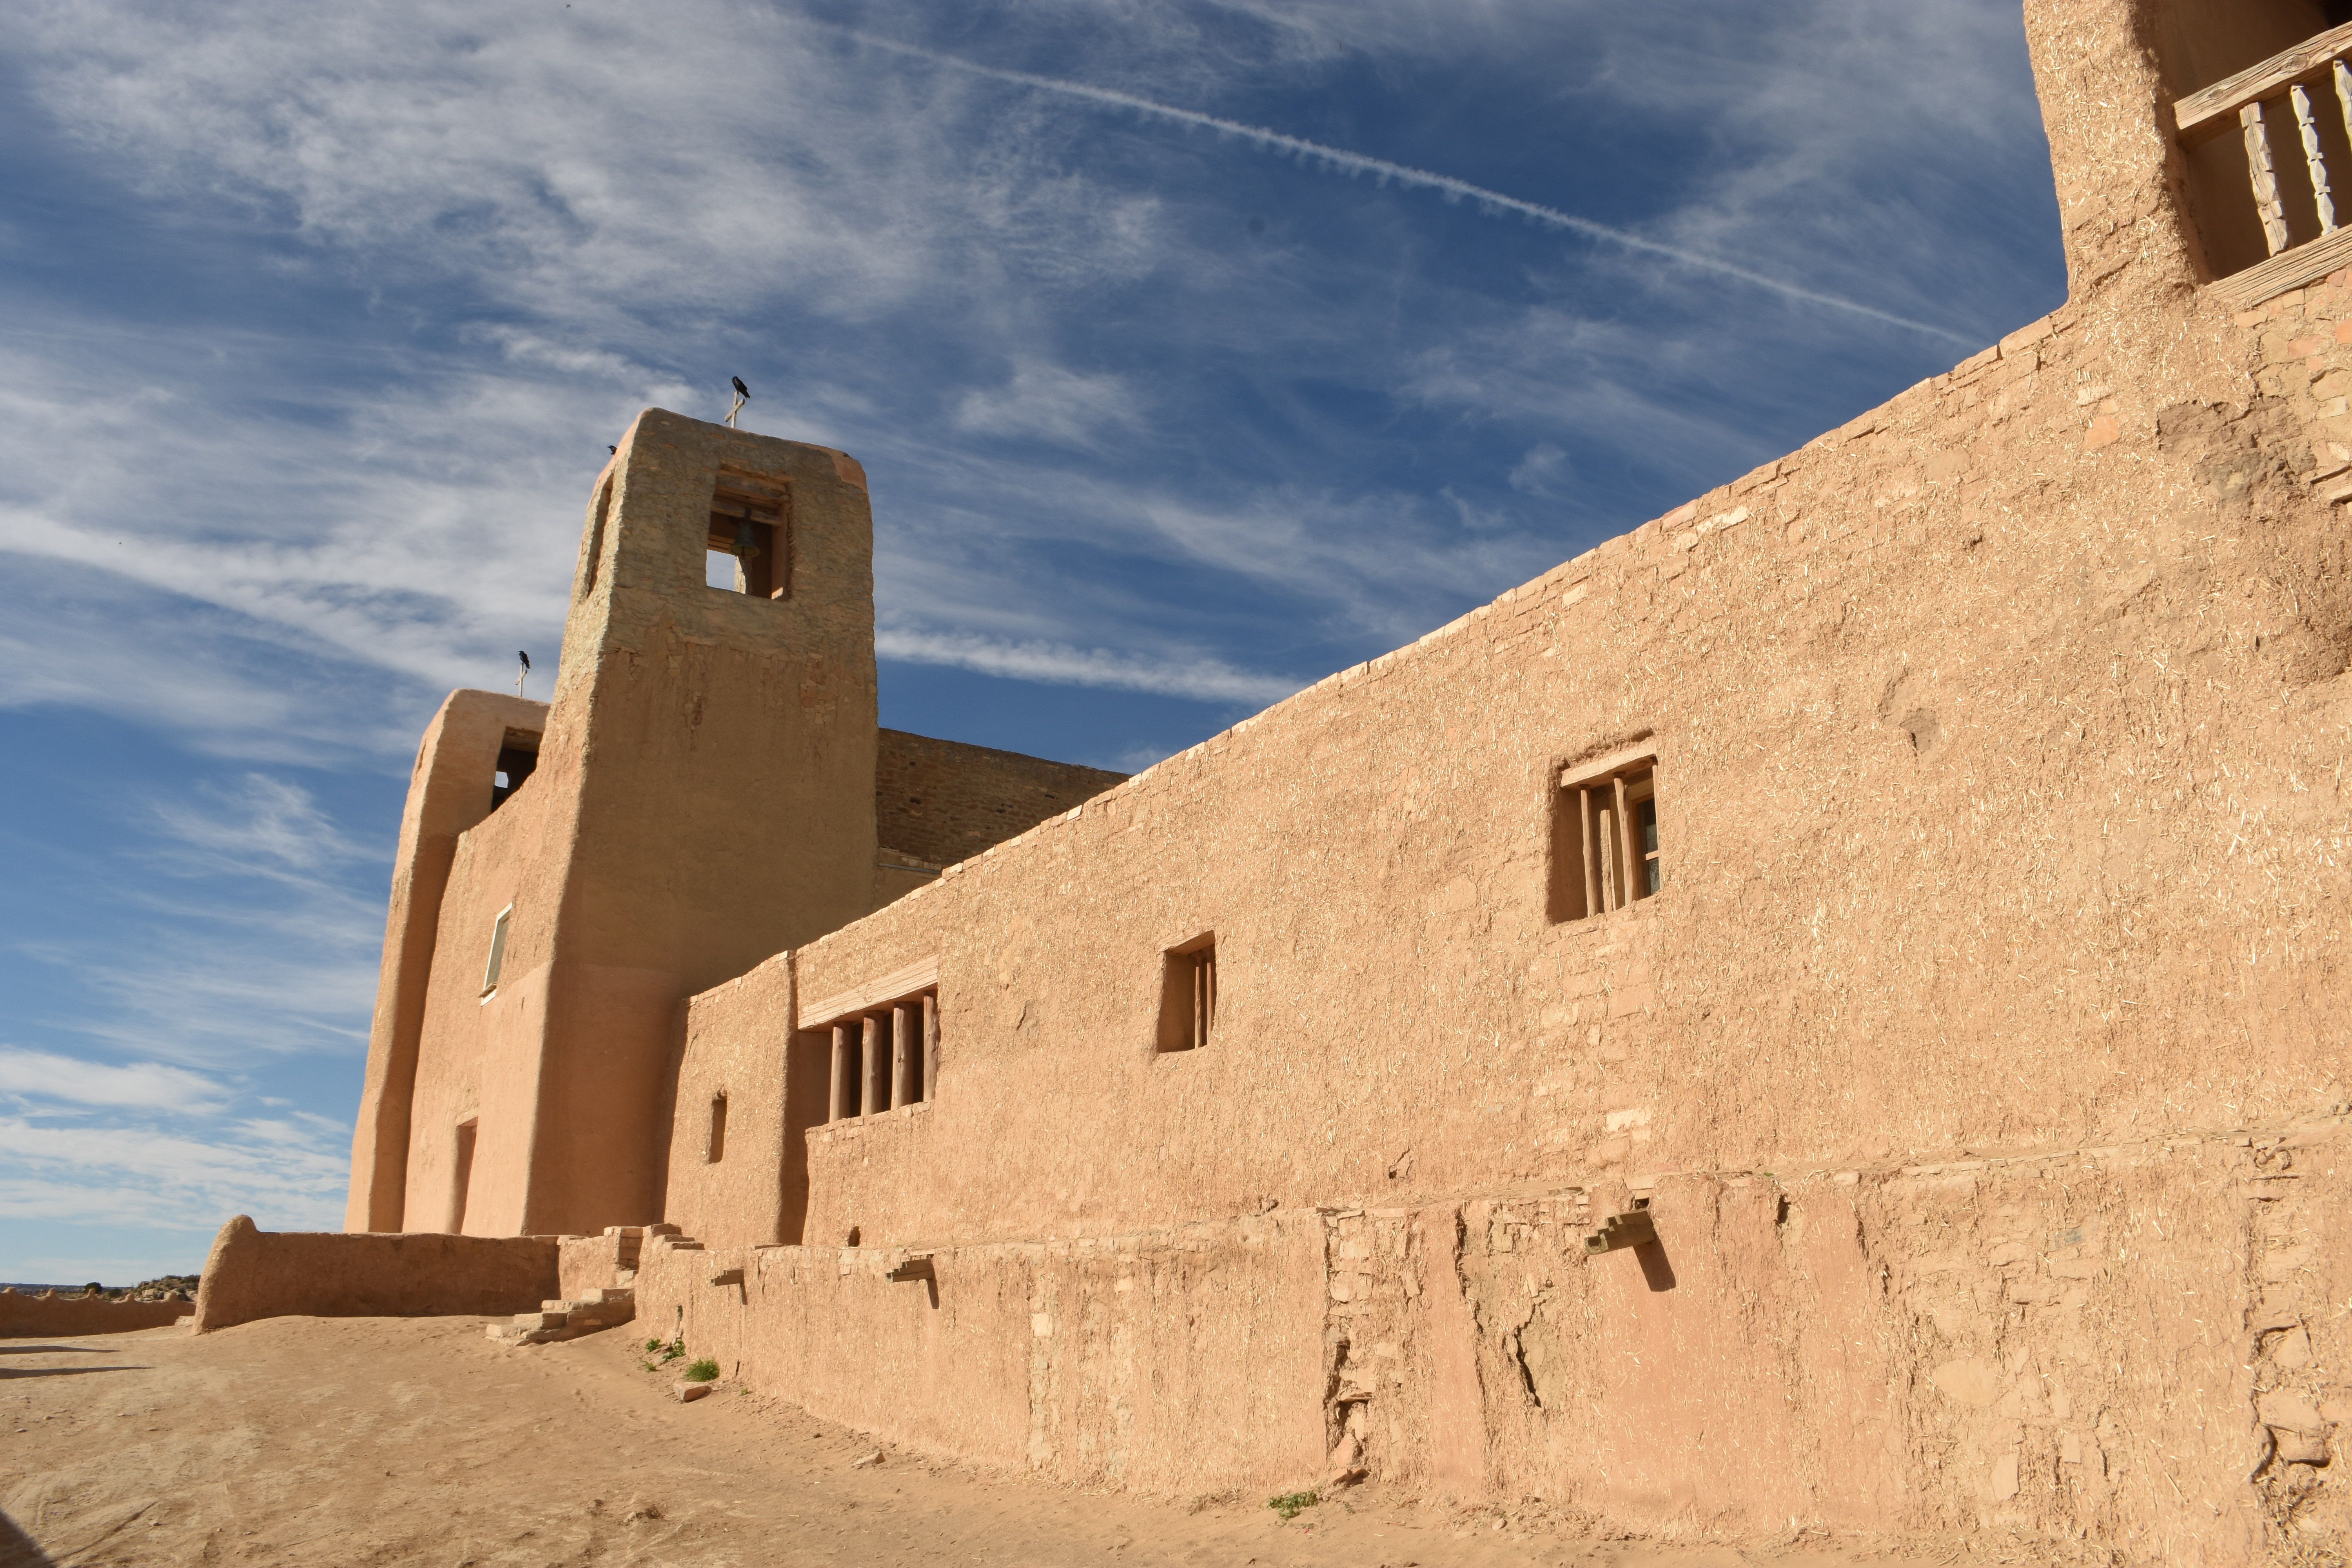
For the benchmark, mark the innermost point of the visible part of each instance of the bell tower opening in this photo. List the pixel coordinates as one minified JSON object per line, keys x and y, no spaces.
{"x":750,"y":541}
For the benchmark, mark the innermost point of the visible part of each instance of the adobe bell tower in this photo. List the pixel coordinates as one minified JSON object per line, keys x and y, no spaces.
{"x":703,"y":798}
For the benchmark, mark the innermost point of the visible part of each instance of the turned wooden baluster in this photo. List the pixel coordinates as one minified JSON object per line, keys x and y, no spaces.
{"x":2344,"y":93}
{"x":2264,"y":175}
{"x":2310,"y":129}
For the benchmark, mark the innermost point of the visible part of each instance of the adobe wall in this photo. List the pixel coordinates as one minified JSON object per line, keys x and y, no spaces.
{"x":449,"y":793}
{"x":942,"y":801}
{"x":2136,"y":1345}
{"x":2127,"y":1344}
{"x":253,"y":1273}
{"x":25,"y":1317}
{"x":1183,"y":1361}
{"x":1999,"y":737}
{"x":479,"y":1056}
{"x":737,"y":1038}
{"x":1998,"y":740}
{"x":587,"y":1263}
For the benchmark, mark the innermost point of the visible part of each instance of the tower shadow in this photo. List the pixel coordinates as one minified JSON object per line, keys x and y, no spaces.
{"x":19,"y":1550}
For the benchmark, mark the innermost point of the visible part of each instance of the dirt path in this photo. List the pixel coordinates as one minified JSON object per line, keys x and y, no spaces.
{"x":360,"y":1442}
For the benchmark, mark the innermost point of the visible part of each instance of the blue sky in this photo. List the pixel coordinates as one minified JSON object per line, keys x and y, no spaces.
{"x":1187,"y":359}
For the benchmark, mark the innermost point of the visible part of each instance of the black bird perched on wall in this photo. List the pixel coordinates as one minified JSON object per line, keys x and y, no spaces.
{"x":523,"y":673}
{"x":742,"y":396}
{"x":615,"y":450}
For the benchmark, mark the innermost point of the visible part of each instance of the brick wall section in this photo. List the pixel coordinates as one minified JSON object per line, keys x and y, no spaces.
{"x":939,"y":802}
{"x":2305,"y":339}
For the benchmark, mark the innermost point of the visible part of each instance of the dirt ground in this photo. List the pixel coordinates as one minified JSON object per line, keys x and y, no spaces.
{"x":357,"y":1442}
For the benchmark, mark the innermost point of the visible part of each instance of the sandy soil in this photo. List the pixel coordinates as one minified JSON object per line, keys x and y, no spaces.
{"x":358,"y":1442}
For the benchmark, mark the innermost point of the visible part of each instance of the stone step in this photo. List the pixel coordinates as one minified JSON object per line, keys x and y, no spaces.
{"x":542,"y":1319}
{"x":514,"y":1334}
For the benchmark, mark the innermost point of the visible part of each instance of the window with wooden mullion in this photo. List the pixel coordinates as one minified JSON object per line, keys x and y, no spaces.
{"x":886,"y":1058}
{"x":1605,"y":851}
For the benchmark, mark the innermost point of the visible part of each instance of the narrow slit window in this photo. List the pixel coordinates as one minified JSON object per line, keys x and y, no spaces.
{"x":498,"y":951}
{"x":1604,"y":838}
{"x":591,"y":548}
{"x":1188,"y":996}
{"x":716,"y":1150}
{"x":461,"y":1179}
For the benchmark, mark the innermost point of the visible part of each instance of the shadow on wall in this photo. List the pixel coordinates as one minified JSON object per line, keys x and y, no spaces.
{"x":19,"y":1550}
{"x":1635,"y":1231}
{"x":1656,"y":1271}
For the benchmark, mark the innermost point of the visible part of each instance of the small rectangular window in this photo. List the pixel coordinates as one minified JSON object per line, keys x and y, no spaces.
{"x":886,"y":1057}
{"x":1188,"y":994}
{"x":716,"y":1150}
{"x":1604,"y":837}
{"x":498,"y":951}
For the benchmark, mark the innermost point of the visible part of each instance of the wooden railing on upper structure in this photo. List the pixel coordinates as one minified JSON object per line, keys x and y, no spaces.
{"x":2287,"y":82}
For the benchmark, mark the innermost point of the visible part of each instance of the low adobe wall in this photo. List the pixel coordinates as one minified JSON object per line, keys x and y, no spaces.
{"x":253,"y":1273}
{"x":23,"y":1317}
{"x":2140,"y":1346}
{"x":1183,"y":1361}
{"x":586,"y":1263}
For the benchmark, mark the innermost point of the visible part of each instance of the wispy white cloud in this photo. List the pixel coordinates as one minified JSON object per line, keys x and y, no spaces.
{"x":1494,"y":202}
{"x":240,"y":923}
{"x":289,"y":1173}
{"x":263,"y":824}
{"x":627,"y":193}
{"x":1202,"y":679}
{"x":1541,"y":471}
{"x":149,"y":1085}
{"x":1049,"y":403}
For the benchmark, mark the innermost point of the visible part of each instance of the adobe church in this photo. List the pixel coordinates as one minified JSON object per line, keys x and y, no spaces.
{"x":1829,"y":1009}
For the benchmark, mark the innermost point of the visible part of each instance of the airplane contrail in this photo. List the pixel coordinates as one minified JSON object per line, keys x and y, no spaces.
{"x":1490,"y":201}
